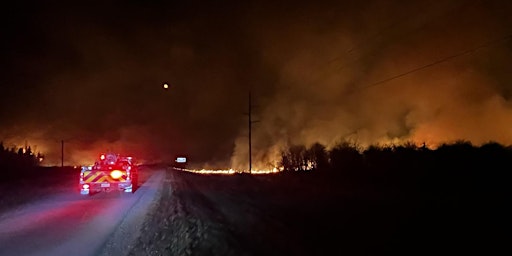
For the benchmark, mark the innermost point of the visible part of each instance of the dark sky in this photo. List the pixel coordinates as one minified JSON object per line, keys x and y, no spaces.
{"x":91,"y":73}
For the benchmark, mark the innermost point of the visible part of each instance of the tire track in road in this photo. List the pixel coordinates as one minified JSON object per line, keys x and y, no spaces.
{"x":154,"y":239}
{"x":121,"y":241}
{"x":185,"y":223}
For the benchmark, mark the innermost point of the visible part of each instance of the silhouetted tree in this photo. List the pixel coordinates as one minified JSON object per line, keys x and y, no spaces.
{"x":298,"y":156}
{"x":345,"y":157}
{"x":317,"y":154}
{"x":17,"y":163}
{"x":286,"y":162}
{"x":295,"y":158}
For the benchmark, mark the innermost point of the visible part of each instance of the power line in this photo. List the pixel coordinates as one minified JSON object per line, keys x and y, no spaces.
{"x":396,"y":36}
{"x":445,"y":59}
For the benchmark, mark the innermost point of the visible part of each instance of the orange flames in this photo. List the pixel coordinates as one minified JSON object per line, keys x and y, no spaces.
{"x":230,"y":171}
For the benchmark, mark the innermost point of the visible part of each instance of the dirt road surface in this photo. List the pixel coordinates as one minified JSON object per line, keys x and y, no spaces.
{"x":68,"y":223}
{"x":250,"y":215}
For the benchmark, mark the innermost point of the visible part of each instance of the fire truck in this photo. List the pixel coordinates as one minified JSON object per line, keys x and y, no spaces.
{"x":111,"y":172}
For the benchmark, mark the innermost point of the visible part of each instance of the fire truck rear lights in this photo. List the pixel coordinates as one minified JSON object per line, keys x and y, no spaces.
{"x":116,"y":174}
{"x":85,"y":186}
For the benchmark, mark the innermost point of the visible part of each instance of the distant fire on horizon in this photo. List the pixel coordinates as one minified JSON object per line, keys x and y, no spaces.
{"x":79,"y":80}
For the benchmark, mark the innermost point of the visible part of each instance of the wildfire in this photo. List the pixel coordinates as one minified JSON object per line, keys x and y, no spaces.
{"x":230,"y":171}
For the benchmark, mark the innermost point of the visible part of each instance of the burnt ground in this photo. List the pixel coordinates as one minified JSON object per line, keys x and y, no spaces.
{"x":318,"y":214}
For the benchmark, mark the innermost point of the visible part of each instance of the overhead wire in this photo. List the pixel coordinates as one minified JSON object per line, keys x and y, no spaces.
{"x":445,"y":59}
{"x":434,"y":63}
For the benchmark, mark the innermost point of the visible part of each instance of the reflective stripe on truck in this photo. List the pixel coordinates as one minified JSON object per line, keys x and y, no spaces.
{"x":100,"y":176}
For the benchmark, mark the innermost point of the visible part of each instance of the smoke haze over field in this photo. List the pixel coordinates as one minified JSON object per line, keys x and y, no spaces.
{"x":91,"y":74}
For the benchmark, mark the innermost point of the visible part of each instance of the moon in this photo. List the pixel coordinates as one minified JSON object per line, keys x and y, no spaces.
{"x":166,"y":86}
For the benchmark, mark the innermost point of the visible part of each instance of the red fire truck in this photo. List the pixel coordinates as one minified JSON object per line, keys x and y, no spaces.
{"x":112,"y":172}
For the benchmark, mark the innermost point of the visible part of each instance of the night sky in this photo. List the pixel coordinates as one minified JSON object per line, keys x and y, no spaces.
{"x":91,"y":73}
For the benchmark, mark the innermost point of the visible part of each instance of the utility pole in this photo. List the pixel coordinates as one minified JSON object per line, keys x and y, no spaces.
{"x":250,"y":132}
{"x":250,"y":125}
{"x":62,"y":153}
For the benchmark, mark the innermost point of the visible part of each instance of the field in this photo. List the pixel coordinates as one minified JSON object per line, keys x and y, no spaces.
{"x":319,"y":214}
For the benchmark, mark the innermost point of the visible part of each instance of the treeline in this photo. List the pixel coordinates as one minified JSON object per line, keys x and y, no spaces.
{"x":393,"y":164}
{"x":456,"y":194}
{"x":345,"y":156}
{"x":15,"y":162}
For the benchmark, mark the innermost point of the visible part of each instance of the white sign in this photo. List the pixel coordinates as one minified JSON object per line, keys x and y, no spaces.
{"x":181,"y":160}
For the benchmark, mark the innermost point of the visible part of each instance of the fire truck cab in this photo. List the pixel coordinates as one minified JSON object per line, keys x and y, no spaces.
{"x":111,"y":172}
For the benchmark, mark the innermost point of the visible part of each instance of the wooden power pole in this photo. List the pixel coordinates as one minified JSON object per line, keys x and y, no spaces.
{"x":250,"y":132}
{"x":250,"y":139}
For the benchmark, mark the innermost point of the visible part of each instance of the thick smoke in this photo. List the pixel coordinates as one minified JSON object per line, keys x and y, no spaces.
{"x":366,"y":72}
{"x":378,"y":74}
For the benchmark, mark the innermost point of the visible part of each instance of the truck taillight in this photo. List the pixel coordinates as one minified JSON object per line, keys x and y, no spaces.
{"x":116,"y":174}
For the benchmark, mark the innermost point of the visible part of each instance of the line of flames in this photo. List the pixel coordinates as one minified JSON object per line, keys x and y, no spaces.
{"x":230,"y":171}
